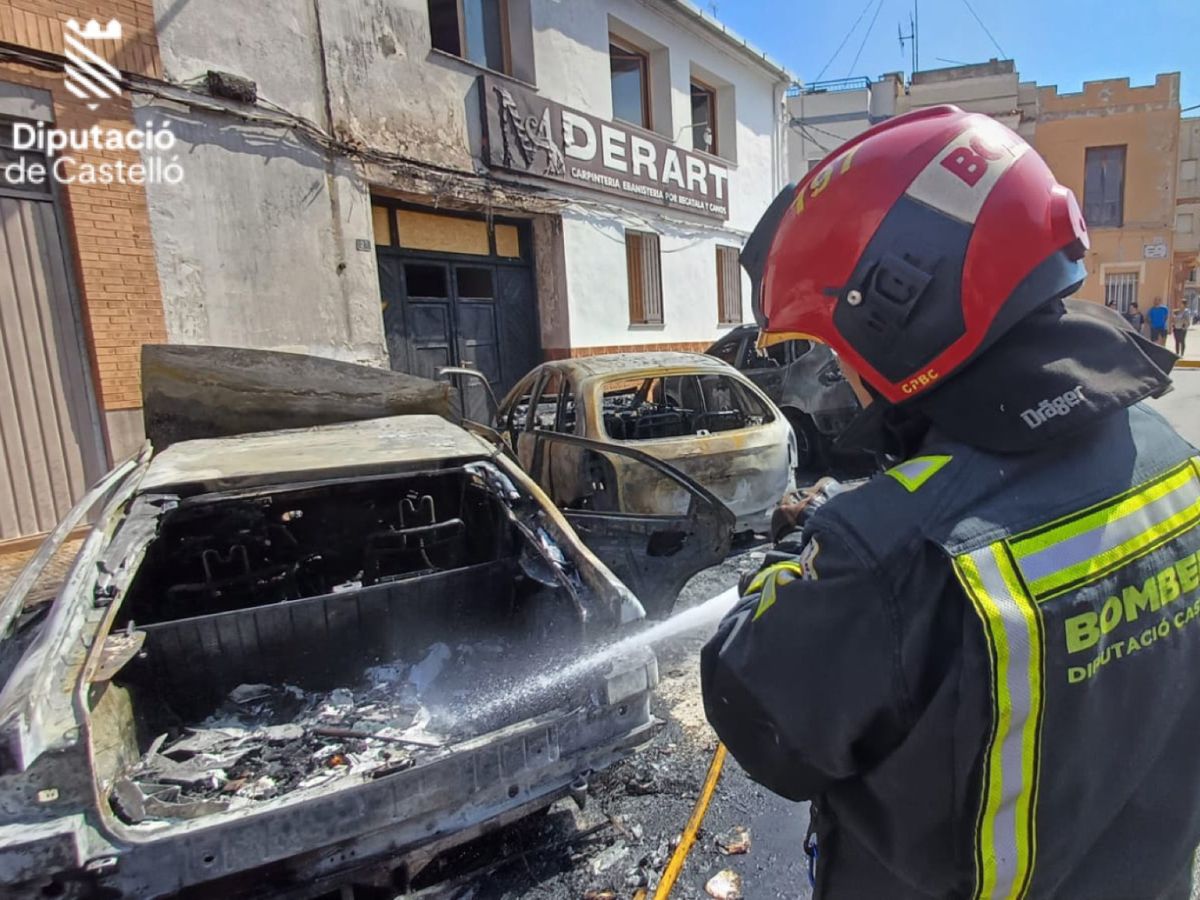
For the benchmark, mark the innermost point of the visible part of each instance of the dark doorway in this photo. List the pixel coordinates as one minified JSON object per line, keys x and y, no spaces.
{"x":457,"y":290}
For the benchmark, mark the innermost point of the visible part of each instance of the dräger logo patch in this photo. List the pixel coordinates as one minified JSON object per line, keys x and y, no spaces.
{"x":1053,"y":406}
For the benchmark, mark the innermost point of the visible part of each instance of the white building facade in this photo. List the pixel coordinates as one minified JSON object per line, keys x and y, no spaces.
{"x":492,"y":183}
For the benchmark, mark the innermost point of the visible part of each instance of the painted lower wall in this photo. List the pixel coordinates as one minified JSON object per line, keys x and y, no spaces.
{"x":596,"y":275}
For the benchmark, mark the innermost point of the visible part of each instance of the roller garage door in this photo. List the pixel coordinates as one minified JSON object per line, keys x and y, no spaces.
{"x":50,"y":443}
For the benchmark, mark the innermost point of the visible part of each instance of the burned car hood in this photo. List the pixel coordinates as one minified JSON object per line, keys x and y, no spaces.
{"x":193,"y":392}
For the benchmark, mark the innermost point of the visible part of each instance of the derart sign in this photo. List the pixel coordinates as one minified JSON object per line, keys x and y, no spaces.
{"x":528,"y":134}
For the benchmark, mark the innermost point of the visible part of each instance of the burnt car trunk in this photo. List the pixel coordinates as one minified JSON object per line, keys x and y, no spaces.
{"x":311,"y":588}
{"x":279,"y":647}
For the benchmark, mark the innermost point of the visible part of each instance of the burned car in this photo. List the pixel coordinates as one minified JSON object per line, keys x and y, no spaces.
{"x":295,"y":660}
{"x":803,"y":377}
{"x":697,"y":414}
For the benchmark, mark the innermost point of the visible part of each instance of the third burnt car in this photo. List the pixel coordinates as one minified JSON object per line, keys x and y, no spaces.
{"x":804,"y":379}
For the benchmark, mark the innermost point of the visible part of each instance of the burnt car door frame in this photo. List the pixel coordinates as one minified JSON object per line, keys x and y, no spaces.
{"x":653,"y":554}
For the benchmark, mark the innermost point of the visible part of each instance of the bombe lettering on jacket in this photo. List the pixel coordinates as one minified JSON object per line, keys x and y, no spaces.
{"x":1052,"y":407}
{"x":1164,"y":587}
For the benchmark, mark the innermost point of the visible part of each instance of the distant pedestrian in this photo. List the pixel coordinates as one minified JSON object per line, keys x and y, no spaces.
{"x":1135,"y":317}
{"x":1179,"y":324}
{"x":1159,"y":315}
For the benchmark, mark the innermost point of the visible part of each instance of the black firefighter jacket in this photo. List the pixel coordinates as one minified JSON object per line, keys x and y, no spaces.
{"x":984,"y":670}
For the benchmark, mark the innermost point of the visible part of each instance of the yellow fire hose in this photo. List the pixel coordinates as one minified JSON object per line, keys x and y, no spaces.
{"x":679,"y":857}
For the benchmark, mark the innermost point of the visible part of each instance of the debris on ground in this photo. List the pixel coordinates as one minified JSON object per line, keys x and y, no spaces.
{"x":642,"y":782}
{"x":735,"y":841}
{"x":725,"y":885}
{"x":606,"y":859}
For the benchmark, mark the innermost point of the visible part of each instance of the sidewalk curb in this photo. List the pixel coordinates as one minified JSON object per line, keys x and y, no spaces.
{"x":1187,"y":363}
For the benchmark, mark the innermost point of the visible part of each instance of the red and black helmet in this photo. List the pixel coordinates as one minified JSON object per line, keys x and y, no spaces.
{"x":914,"y":246}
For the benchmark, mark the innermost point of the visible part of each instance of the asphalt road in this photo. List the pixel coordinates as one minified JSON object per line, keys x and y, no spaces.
{"x":1182,"y":406}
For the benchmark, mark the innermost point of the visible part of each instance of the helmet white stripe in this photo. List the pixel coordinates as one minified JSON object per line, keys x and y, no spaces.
{"x":960,"y":177}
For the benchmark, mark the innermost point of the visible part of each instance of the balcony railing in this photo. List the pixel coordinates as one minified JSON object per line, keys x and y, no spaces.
{"x":833,"y":86}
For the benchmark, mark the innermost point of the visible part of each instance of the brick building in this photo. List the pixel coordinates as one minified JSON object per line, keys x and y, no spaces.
{"x":1116,"y":147}
{"x":79,"y":292}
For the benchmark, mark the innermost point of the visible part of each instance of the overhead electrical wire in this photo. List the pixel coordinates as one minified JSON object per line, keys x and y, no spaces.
{"x":995,"y":43}
{"x":798,"y":125}
{"x":266,"y":114}
{"x":825,"y":67}
{"x":878,"y":7}
{"x":809,"y":125}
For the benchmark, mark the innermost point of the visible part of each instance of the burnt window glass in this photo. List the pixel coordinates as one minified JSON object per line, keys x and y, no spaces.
{"x":728,"y":351}
{"x":679,"y":406}
{"x":545,"y":406}
{"x":517,"y":420}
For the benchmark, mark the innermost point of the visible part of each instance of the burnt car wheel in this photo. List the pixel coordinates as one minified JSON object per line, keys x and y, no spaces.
{"x":809,"y":442}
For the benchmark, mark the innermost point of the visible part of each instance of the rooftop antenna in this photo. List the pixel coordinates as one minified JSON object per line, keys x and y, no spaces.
{"x":911,"y":37}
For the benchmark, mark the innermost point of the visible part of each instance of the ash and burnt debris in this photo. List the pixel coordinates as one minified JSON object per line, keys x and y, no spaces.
{"x":265,"y":740}
{"x":616,"y":845}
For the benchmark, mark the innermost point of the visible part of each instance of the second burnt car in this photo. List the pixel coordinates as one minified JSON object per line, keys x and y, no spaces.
{"x":704,"y":418}
{"x":803,"y":378}
{"x":298,"y":661}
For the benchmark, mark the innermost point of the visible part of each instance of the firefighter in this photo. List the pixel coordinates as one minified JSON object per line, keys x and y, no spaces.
{"x":983,"y":665}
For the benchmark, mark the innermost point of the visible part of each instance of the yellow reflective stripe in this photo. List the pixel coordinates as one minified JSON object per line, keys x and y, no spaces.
{"x":1005,"y":831}
{"x":766,"y":580}
{"x":756,"y":584}
{"x":1130,"y":501}
{"x":1088,"y":546}
{"x":1031,"y":728}
{"x":985,"y":859}
{"x":1105,"y":562}
{"x":912,"y":473}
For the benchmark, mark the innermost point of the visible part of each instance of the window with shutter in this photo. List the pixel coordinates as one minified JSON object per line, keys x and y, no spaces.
{"x":729,"y":287}
{"x":1104,"y":187}
{"x":645,"y":278}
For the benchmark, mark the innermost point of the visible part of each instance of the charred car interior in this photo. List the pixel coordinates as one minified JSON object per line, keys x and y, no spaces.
{"x":351,"y":611}
{"x":679,"y":405}
{"x":290,"y":660}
